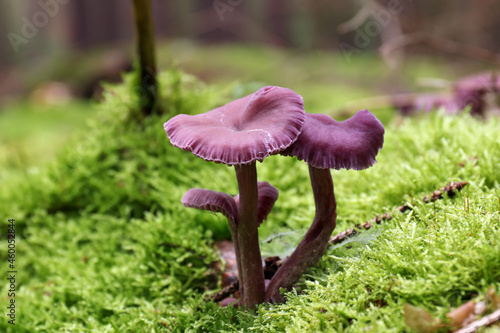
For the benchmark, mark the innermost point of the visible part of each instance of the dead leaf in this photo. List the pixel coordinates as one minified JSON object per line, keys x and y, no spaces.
{"x":420,"y":320}
{"x":462,"y":315}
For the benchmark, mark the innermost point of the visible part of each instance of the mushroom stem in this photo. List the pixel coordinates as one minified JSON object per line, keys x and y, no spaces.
{"x":234,"y":236}
{"x":312,"y":247}
{"x":252,"y":284}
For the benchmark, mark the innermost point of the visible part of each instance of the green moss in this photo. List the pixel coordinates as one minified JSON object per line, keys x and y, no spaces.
{"x":436,"y":257}
{"x":32,"y":134}
{"x":104,"y":245}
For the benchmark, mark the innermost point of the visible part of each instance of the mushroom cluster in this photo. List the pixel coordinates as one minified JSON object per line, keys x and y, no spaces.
{"x":268,"y":122}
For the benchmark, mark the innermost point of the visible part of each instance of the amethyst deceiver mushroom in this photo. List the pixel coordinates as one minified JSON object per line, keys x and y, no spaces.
{"x":472,"y":90}
{"x":424,"y":102}
{"x":326,"y":144}
{"x":219,"y":202}
{"x":238,"y":134}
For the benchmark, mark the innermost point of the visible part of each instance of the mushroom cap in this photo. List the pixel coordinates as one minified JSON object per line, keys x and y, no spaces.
{"x":219,"y":202}
{"x":213,"y":201}
{"x":486,"y":81}
{"x":471,"y":91}
{"x":429,"y":102}
{"x":268,"y":195}
{"x":328,"y":144}
{"x":242,"y":131}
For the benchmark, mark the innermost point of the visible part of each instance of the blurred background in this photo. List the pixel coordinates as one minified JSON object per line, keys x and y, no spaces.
{"x":55,"y":53}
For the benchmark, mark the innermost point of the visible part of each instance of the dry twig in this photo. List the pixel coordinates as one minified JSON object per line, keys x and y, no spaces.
{"x":488,"y":320}
{"x":440,"y":44}
{"x":449,"y":189}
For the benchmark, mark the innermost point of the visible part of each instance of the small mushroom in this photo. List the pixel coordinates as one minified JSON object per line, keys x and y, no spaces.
{"x":326,"y":144}
{"x":424,"y":102}
{"x":268,"y":195}
{"x":471,"y":92}
{"x":212,"y":201}
{"x":219,"y":202}
{"x":239,"y":133}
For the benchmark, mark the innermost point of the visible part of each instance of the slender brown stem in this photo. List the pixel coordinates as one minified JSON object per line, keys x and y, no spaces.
{"x":252,"y":275}
{"x":146,"y":52}
{"x":312,"y":247}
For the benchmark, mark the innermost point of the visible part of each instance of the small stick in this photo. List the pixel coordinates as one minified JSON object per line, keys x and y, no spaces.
{"x":483,"y":322}
{"x":225,"y":292}
{"x":440,"y":44}
{"x":450,"y":189}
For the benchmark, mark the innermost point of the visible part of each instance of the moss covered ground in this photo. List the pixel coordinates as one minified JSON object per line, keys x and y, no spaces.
{"x":104,"y":245}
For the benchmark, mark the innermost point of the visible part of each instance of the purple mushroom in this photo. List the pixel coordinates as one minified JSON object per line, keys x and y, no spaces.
{"x":219,"y":202}
{"x":424,"y":102}
{"x":326,"y":144}
{"x":472,"y":90}
{"x":239,"y":133}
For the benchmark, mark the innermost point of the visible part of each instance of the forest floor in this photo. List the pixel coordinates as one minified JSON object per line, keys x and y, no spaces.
{"x":103,"y":243}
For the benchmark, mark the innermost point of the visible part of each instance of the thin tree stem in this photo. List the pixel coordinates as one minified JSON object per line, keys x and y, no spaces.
{"x":312,"y":247}
{"x":146,"y":51}
{"x":252,"y":275}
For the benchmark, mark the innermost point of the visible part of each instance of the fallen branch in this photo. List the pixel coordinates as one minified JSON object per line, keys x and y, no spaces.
{"x":486,"y":321}
{"x":359,"y":18}
{"x":440,"y":44}
{"x":272,"y":264}
{"x":449,"y":189}
{"x":225,"y":292}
